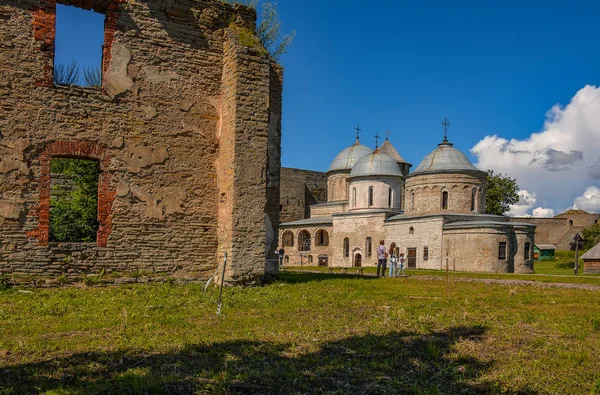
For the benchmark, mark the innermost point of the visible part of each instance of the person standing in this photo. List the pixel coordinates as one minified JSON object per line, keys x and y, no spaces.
{"x":401,"y":261}
{"x":381,"y":259}
{"x":280,"y":254}
{"x":393,"y":260}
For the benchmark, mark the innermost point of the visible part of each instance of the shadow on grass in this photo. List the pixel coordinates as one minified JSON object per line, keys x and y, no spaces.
{"x":299,"y":277}
{"x":402,"y":362}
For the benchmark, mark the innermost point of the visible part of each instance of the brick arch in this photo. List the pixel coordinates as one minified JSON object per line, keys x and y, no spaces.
{"x":106,"y":195}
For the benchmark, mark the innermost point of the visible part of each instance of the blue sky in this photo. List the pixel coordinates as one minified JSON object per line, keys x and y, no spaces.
{"x":490,"y":67}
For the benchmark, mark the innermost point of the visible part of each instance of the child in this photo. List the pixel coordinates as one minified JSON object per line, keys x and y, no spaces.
{"x":402,"y":264}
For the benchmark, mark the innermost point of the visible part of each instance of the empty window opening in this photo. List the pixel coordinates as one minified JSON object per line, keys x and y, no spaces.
{"x":346,"y":247}
{"x":280,"y":207}
{"x":369,"y":247}
{"x":288,"y":239}
{"x":445,"y":200}
{"x":304,"y":240}
{"x":474,"y":199}
{"x":390,"y":197}
{"x":412,"y":201}
{"x":527,"y":250}
{"x":73,"y":200}
{"x":78,"y":46}
{"x":425,"y":253}
{"x":322,"y":238}
{"x":323,"y":260}
{"x":370,"y":196}
{"x":570,"y":222}
{"x":353,"y":197}
{"x":411,"y":231}
{"x":502,"y":251}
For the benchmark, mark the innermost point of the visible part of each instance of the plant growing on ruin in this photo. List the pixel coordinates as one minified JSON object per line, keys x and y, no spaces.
{"x":66,"y":74}
{"x":247,"y":3}
{"x":269,"y":32}
{"x":501,"y":193}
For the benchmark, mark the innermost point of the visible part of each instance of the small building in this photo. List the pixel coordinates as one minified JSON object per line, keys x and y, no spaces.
{"x":591,"y":260}
{"x":544,"y":252}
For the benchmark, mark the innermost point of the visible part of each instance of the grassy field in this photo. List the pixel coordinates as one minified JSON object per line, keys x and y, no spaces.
{"x":558,"y":271}
{"x":303,"y":333}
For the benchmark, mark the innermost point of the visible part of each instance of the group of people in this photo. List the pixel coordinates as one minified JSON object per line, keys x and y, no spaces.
{"x":396,"y":262}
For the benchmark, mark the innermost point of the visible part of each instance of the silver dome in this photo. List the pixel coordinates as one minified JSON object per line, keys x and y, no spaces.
{"x":445,"y":158}
{"x":348,"y":157}
{"x":376,"y":164}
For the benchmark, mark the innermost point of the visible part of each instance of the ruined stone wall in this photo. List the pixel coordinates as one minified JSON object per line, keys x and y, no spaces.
{"x":548,"y":230}
{"x":299,"y":190}
{"x":186,"y":129}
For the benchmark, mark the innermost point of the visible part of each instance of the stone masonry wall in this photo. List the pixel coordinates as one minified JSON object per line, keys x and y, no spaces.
{"x":186,"y":129}
{"x":299,"y":190}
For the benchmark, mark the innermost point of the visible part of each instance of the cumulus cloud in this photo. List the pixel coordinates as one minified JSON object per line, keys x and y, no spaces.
{"x":555,"y":165}
{"x":589,"y":201}
{"x":527,"y":202}
{"x":543,"y":212}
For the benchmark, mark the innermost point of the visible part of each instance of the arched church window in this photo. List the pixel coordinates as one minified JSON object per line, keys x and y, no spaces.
{"x":412,"y":201}
{"x":445,"y":200}
{"x":474,"y":199}
{"x":353,"y":197}
{"x":370,"y":196}
{"x":303,"y":241}
{"x":322,"y":238}
{"x":287,"y":238}
{"x":346,"y":247}
{"x":411,"y":231}
{"x":390,"y":197}
{"x":570,"y":222}
{"x":368,"y":247}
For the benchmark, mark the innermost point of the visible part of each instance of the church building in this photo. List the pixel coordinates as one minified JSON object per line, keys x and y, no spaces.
{"x":435,"y":215}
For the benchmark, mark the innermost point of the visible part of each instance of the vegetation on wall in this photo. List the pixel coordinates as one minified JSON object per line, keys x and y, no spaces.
{"x":268,"y":30}
{"x":74,"y":208}
{"x":501,"y":193}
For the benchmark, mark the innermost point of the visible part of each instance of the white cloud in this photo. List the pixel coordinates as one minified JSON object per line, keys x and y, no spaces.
{"x":589,"y":201}
{"x":555,"y":165}
{"x":526,"y":202}
{"x":543,"y":212}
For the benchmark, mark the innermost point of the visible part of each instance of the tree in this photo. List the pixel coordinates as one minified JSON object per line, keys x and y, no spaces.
{"x":66,"y":74}
{"x":92,"y":76}
{"x":269,"y":32}
{"x":591,"y":236}
{"x":501,"y":193}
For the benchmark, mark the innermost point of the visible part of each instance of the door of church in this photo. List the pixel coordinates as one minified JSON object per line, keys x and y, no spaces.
{"x":357,"y":260}
{"x":411,"y":259}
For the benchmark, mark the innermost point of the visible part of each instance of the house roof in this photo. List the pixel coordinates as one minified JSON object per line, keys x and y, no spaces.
{"x":593,"y":253}
{"x":546,"y":246}
{"x":325,"y":220}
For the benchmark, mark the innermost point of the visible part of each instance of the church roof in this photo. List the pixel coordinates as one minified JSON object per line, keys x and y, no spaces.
{"x":376,"y":164}
{"x":445,"y":158}
{"x":348,"y":157}
{"x":388,"y":149}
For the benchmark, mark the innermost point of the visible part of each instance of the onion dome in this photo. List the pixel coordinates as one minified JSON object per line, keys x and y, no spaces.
{"x":376,"y":164}
{"x":349,"y":156}
{"x":445,"y":158}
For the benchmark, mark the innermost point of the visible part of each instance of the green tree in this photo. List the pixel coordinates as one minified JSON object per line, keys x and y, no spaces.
{"x":269,"y":32}
{"x":74,"y":210}
{"x":501,"y":193}
{"x":591,"y":236}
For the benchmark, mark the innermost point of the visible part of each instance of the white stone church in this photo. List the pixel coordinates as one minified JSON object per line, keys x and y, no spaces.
{"x":435,"y":215}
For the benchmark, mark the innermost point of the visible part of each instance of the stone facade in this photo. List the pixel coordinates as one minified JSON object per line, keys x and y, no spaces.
{"x":186,"y":128}
{"x":300,"y":189}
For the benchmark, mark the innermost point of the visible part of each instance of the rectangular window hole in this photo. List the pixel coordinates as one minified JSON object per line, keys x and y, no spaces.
{"x":78,"y":46}
{"x":73,"y":200}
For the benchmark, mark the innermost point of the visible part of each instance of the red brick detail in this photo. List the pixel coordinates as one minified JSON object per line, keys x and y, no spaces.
{"x":44,"y":31}
{"x":106,"y":195}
